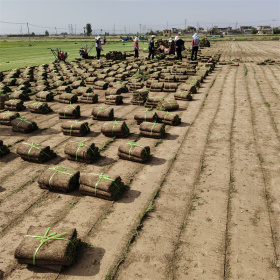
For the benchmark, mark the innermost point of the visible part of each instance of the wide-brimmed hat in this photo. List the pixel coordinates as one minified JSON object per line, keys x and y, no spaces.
{"x":98,"y":37}
{"x":153,"y":36}
{"x":170,"y":39}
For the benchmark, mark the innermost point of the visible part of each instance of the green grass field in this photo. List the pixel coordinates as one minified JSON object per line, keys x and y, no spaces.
{"x":17,"y":52}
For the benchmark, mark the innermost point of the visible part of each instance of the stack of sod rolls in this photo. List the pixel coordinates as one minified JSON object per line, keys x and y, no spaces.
{"x":103,"y":186}
{"x":152,"y":101}
{"x":156,"y":87}
{"x":77,"y":84}
{"x":115,"y":129}
{"x":91,"y":80}
{"x":14,"y":105}
{"x":7,"y":116}
{"x":188,"y":87}
{"x":134,"y":151}
{"x":75,"y":128}
{"x":59,"y":178}
{"x":103,"y":113}
{"x":183,"y":95}
{"x":44,"y":96}
{"x":167,"y":78}
{"x":49,"y":248}
{"x":63,"y":89}
{"x":113,"y":100}
{"x":145,"y":116}
{"x":3,"y":149}
{"x":68,"y":98}
{"x":135,"y":85}
{"x":101,"y":85}
{"x":89,"y":98}
{"x":81,"y":152}
{"x":39,"y":108}
{"x":150,"y":82}
{"x":170,"y":87}
{"x":112,"y":91}
{"x":168,"y":118}
{"x":168,"y":105}
{"x":19,"y":94}
{"x":181,"y":78}
{"x":139,"y":97}
{"x":70,"y":112}
{"x":152,"y":130}
{"x":3,"y":97}
{"x":21,"y":124}
{"x":34,"y":152}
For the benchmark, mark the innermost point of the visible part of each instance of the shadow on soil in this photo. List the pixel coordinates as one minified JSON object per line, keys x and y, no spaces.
{"x":184,"y":124}
{"x":169,"y":136}
{"x":2,"y":190}
{"x":129,"y":196}
{"x":9,"y":157}
{"x":103,"y":161}
{"x":156,"y":161}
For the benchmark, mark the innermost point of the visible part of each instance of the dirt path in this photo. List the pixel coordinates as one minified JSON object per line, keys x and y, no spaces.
{"x":205,"y":207}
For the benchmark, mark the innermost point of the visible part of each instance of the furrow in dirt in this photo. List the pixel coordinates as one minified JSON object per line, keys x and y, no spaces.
{"x":250,"y":249}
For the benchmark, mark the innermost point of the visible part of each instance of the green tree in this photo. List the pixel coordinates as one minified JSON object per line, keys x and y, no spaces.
{"x":276,"y":30}
{"x":88,"y":29}
{"x":47,"y":33}
{"x":254,"y":30}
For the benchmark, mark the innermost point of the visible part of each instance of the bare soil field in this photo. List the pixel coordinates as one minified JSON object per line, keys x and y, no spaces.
{"x":206,"y":206}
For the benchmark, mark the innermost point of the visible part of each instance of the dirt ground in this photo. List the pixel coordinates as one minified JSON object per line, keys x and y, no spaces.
{"x":207,"y":205}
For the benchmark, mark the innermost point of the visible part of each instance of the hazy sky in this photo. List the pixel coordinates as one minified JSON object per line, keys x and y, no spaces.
{"x":127,"y":15}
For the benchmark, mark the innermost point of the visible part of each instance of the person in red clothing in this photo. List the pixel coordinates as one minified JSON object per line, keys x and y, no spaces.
{"x":171,"y":46}
{"x":136,"y":47}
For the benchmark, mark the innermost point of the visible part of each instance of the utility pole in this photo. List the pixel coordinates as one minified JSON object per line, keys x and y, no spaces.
{"x":75,"y":29}
{"x":28,"y":31}
{"x":185,"y":24}
{"x":55,"y":31}
{"x":140,"y":29}
{"x":114,"y":28}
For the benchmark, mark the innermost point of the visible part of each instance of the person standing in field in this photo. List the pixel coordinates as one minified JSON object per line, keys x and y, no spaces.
{"x":171,"y":46}
{"x":152,"y":47}
{"x":179,"y":43}
{"x":195,"y":44}
{"x":136,"y":47}
{"x":98,"y":46}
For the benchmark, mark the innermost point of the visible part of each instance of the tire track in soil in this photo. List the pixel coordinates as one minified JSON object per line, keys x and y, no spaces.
{"x":75,"y":201}
{"x":148,"y":254}
{"x":250,"y":246}
{"x":267,"y":145}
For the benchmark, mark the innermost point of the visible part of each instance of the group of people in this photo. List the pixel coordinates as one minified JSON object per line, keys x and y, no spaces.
{"x":173,"y":46}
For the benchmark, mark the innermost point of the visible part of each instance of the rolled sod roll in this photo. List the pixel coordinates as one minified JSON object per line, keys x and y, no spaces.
{"x":14,"y":105}
{"x":44,"y":96}
{"x":145,"y":116}
{"x":113,"y":91}
{"x":19,"y":94}
{"x":59,"y":178}
{"x":157,"y":87}
{"x":73,"y":79}
{"x":168,"y":118}
{"x":114,"y":100}
{"x":3,"y":149}
{"x":101,"y":85}
{"x":139,"y":103}
{"x":49,"y":248}
{"x":82,"y":90}
{"x":102,"y":186}
{"x":110,"y":79}
{"x":68,"y":98}
{"x":188,"y":87}
{"x":75,"y":128}
{"x":136,"y":85}
{"x":134,"y":151}
{"x":7,"y":116}
{"x":116,"y":128}
{"x":41,"y":88}
{"x":39,"y":108}
{"x":64,"y":89}
{"x":181,"y":78}
{"x":167,"y":105}
{"x":152,"y":101}
{"x":77,"y":84}
{"x":34,"y":152}
{"x":170,"y":87}
{"x":91,"y":80}
{"x":140,"y":93}
{"x":121,"y":86}
{"x":79,"y":151}
{"x":183,"y":95}
{"x":91,"y":98}
{"x":21,"y":124}
{"x":70,"y":112}
{"x":103,"y":113}
{"x":152,"y":130}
